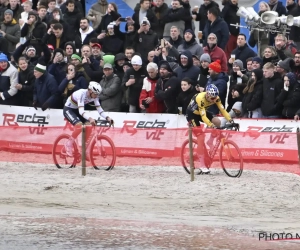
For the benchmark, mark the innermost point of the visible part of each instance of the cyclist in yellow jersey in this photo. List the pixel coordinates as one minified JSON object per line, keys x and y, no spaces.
{"x":197,"y":113}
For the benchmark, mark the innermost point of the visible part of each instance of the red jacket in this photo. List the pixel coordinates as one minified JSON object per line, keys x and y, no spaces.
{"x":215,"y":54}
{"x":148,"y":90}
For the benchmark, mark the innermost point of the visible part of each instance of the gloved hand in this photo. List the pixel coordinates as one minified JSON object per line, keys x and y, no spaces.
{"x":34,"y":104}
{"x":45,"y":106}
{"x":231,"y":121}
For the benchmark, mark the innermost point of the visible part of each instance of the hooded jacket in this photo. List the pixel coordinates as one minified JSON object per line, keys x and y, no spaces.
{"x":106,"y":20}
{"x":192,"y":46}
{"x":243,"y":53}
{"x":189,"y":70}
{"x":84,"y":38}
{"x":290,"y":99}
{"x":13,"y":34}
{"x":167,"y":90}
{"x":220,"y":28}
{"x":220,"y":80}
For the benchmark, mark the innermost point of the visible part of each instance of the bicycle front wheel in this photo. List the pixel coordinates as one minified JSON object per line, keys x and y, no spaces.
{"x":185,"y":156}
{"x":103,"y":153}
{"x":62,"y":157}
{"x":231,"y":159}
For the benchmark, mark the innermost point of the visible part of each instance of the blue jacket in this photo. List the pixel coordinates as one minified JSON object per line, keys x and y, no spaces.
{"x":220,"y":29}
{"x":243,"y":53}
{"x":45,"y":90}
{"x":221,"y":83}
{"x":58,"y":70}
{"x":189,"y":70}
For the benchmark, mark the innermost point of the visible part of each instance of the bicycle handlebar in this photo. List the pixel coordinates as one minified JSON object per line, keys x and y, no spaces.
{"x":105,"y":124}
{"x":236,"y":126}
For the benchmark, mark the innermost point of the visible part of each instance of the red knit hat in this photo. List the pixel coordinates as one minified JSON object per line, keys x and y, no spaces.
{"x":215,"y":66}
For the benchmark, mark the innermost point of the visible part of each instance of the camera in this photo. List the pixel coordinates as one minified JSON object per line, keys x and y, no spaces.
{"x":123,"y":19}
{"x":145,"y":22}
{"x":146,"y":105}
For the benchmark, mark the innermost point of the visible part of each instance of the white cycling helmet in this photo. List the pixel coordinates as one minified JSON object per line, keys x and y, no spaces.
{"x":95,"y":87}
{"x":212,"y":90}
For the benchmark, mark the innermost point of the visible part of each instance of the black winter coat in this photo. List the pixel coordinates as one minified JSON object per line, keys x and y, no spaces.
{"x":111,"y":44}
{"x":136,"y":88}
{"x":230,"y":17}
{"x":253,"y":100}
{"x":72,"y":19}
{"x":184,"y":98}
{"x":106,"y":20}
{"x":271,"y":90}
{"x":27,"y":79}
{"x":167,"y":90}
{"x":290,"y":101}
{"x":201,"y":16}
{"x":145,"y":42}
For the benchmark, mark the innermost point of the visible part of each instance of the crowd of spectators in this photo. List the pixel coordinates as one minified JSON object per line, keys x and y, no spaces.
{"x":51,"y":48}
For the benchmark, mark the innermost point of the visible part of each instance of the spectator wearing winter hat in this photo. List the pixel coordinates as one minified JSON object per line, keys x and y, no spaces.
{"x":253,"y":93}
{"x":186,"y":67}
{"x":284,"y":66}
{"x":34,"y":30}
{"x":148,"y":102}
{"x":167,"y":88}
{"x":257,"y":63}
{"x":146,"y":39}
{"x":10,"y":30}
{"x":219,"y":79}
{"x":31,"y":54}
{"x":215,"y":52}
{"x":272,"y":86}
{"x":96,"y":52}
{"x":110,"y":42}
{"x":190,"y":43}
{"x":45,"y":89}
{"x":133,"y":80}
{"x":216,"y":25}
{"x":120,"y":60}
{"x":242,"y":51}
{"x":58,"y":66}
{"x":16,"y":9}
{"x":8,"y":82}
{"x":289,"y":96}
{"x":238,"y":77}
{"x":196,"y":61}
{"x":175,"y":17}
{"x":296,"y":67}
{"x":69,"y":50}
{"x":204,"y":74}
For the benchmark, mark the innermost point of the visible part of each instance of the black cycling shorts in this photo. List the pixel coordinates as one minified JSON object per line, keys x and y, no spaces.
{"x":195,"y":120}
{"x":73,"y":116}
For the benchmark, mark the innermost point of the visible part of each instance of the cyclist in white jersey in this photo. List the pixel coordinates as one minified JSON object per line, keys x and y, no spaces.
{"x":74,"y":110}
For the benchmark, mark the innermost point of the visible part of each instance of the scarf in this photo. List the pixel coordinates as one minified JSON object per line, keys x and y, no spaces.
{"x":273,"y":4}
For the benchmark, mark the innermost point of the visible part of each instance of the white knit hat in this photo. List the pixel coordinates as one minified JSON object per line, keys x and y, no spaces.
{"x":136,"y":60}
{"x":110,"y":26}
{"x":145,"y":19}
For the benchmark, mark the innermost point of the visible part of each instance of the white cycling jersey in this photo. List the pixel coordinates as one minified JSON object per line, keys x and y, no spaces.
{"x":81,"y":97}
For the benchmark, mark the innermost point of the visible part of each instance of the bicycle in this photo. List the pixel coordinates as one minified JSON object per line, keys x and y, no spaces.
{"x":229,"y":153}
{"x":98,"y":147}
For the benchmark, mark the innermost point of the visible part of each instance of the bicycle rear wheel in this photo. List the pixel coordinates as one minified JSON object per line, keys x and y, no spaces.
{"x":231,"y":159}
{"x":185,"y":156}
{"x":103,"y":153}
{"x":59,"y":153}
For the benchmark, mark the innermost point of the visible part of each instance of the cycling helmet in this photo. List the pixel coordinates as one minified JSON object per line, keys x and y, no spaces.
{"x":212,"y":90}
{"x":95,"y":87}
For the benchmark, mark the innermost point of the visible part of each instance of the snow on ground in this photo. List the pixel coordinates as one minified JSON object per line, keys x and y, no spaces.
{"x":42,"y":207}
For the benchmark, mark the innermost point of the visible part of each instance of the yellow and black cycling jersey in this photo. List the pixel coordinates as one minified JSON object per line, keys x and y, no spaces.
{"x":198,"y":105}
